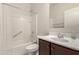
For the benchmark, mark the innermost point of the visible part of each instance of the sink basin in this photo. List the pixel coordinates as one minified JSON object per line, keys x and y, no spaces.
{"x":60,"y":39}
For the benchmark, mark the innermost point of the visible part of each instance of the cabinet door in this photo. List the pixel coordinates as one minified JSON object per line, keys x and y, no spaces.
{"x":60,"y":50}
{"x":44,"y":48}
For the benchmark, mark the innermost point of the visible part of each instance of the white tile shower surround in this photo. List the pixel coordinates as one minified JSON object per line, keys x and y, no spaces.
{"x":17,"y":50}
{"x":14,"y":12}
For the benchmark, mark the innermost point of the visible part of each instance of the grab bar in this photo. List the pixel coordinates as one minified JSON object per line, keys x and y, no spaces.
{"x":17,"y":34}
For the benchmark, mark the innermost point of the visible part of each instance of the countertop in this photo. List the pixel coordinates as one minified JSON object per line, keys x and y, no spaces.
{"x":73,"y":44}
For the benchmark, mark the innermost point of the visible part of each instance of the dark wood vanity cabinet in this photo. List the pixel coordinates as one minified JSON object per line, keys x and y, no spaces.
{"x":44,"y":47}
{"x":60,"y":50}
{"x":48,"y":48}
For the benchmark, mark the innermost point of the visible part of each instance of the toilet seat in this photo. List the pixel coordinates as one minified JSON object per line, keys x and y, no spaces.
{"x":32,"y":47}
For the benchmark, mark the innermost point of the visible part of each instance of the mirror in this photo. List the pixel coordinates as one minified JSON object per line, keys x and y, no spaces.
{"x":56,"y":16}
{"x":71,"y":19}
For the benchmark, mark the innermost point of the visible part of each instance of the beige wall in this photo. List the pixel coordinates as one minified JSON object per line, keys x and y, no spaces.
{"x":42,"y":10}
{"x":57,"y":13}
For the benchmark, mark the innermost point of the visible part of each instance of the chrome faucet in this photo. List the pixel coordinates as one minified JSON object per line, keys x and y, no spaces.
{"x":60,"y":35}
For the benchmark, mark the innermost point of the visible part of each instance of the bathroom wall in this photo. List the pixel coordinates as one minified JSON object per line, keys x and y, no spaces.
{"x":15,"y":31}
{"x":57,"y":12}
{"x":41,"y":10}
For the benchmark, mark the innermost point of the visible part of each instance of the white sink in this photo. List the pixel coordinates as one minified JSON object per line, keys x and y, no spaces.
{"x":60,"y":39}
{"x":55,"y":38}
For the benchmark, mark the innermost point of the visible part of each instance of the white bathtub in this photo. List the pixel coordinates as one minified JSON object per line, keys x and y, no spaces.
{"x":17,"y":50}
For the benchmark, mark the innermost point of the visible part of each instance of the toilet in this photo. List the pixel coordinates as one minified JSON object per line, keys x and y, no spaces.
{"x":32,"y":49}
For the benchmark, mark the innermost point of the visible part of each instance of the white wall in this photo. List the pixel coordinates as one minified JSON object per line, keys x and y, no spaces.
{"x":1,"y":26}
{"x":42,"y":10}
{"x":57,"y":13}
{"x":15,"y":18}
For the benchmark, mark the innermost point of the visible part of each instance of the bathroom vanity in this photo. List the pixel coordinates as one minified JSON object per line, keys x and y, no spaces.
{"x":52,"y":47}
{"x":65,"y":20}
